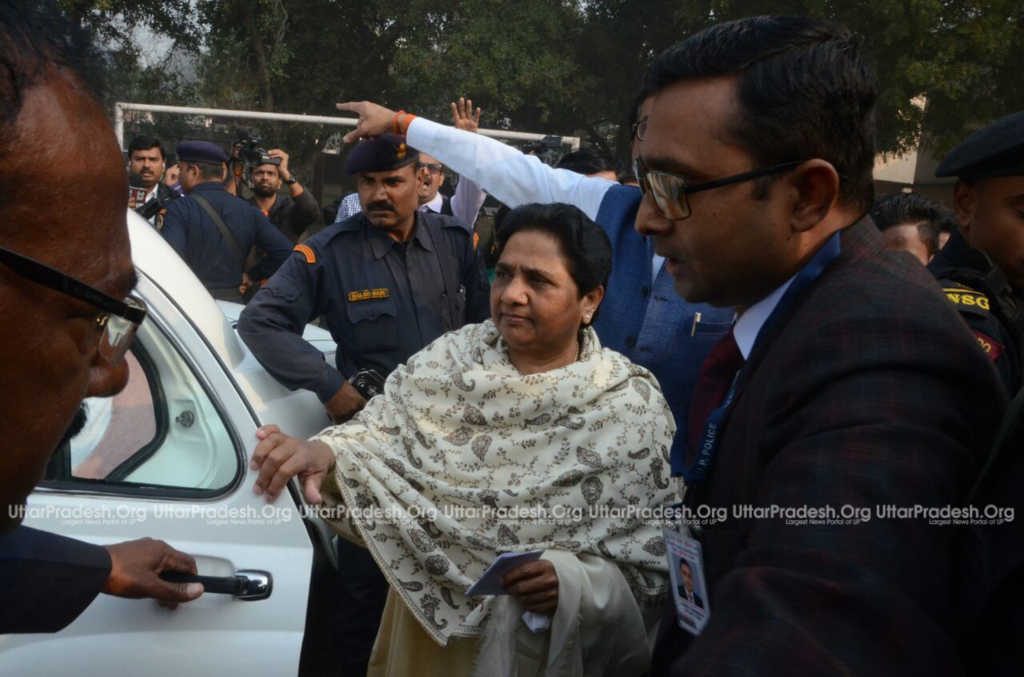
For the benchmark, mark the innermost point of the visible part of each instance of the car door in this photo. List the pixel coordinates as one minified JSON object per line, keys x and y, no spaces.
{"x":167,"y":458}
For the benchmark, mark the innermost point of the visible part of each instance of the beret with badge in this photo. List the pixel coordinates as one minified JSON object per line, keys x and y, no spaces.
{"x":380,"y":154}
{"x":993,"y":151}
{"x":201,"y":151}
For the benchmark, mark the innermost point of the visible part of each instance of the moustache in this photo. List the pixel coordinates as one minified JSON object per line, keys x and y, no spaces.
{"x":380,"y":207}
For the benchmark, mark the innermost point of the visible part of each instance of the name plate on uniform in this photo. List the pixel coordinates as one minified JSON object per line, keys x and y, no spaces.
{"x":369,"y":295}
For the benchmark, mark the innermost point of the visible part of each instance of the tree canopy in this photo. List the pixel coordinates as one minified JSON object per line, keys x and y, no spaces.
{"x":555,"y":66}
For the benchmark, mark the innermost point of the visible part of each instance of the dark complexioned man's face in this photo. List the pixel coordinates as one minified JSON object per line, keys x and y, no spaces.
{"x":991,"y":214}
{"x":390,"y":198}
{"x":48,"y":350}
{"x":266,"y":180}
{"x":148,"y":164}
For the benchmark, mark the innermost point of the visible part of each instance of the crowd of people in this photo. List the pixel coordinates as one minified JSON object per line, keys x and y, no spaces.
{"x":738,"y":322}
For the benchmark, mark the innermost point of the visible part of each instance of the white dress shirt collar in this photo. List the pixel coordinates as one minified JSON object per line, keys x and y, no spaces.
{"x":749,"y":324}
{"x":434,"y":205}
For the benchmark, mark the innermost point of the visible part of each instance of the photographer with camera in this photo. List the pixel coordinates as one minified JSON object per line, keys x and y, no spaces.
{"x":214,"y":231}
{"x":147,"y":162}
{"x":293,"y":213}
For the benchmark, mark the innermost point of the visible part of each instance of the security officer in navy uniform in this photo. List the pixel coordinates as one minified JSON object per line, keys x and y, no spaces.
{"x":981,"y":268}
{"x":387,"y":281}
{"x":213,"y":231}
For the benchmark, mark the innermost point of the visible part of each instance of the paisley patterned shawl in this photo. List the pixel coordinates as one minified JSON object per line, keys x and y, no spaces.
{"x":462,"y":457}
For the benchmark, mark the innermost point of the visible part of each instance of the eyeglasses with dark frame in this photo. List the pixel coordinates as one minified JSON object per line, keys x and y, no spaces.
{"x":670,"y":190}
{"x":117,"y":323}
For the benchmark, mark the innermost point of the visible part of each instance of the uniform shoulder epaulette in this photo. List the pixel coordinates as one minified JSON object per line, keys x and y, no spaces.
{"x":307,"y":252}
{"x":965,"y":298}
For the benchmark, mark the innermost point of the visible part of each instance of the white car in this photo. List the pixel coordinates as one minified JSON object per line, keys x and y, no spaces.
{"x":168,"y":458}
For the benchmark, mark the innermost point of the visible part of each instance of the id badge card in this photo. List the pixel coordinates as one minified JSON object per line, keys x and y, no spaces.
{"x":686,"y":573}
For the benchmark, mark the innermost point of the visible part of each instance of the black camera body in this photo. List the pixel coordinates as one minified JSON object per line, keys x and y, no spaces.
{"x":156,"y":204}
{"x":252,"y":152}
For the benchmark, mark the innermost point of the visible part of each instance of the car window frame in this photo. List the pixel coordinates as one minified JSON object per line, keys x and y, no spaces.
{"x":159,"y":303}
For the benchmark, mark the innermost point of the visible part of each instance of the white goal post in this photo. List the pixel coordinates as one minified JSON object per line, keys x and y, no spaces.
{"x":120,"y":107}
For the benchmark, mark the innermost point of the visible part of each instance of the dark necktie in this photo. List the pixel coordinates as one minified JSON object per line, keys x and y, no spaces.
{"x":716,"y":375}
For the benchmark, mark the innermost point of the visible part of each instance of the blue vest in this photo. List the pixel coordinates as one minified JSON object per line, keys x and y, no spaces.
{"x":645,"y":319}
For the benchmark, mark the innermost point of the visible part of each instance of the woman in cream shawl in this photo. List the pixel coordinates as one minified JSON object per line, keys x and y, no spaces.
{"x":517,"y":434}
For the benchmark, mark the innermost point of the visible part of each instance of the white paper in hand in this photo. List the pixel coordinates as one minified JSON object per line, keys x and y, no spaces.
{"x":490,"y":582}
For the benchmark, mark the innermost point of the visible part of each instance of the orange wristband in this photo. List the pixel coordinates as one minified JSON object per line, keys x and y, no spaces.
{"x":401,"y":121}
{"x":395,"y":126}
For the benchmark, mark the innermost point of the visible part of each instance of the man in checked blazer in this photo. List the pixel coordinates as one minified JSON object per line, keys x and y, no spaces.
{"x":860,"y":386}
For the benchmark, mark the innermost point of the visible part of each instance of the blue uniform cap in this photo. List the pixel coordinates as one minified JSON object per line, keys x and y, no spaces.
{"x":201,"y":151}
{"x":380,"y":154}
{"x":996,"y":150}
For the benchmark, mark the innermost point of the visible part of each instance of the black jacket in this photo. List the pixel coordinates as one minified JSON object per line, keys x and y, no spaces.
{"x":48,"y":580}
{"x":292,"y":215}
{"x":983,"y":297}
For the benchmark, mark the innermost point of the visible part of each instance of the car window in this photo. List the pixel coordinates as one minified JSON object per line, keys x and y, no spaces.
{"x":116,"y":428}
{"x":162,"y":430}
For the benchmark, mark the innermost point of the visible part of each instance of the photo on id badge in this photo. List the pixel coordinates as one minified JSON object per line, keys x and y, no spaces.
{"x":685,"y":562}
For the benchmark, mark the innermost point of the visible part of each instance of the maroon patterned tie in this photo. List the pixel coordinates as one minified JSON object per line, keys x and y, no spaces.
{"x":716,"y":375}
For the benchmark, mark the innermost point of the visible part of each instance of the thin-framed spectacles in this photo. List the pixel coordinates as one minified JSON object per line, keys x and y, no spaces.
{"x":118,"y":321}
{"x":639,"y":129}
{"x":432,"y":167}
{"x":670,"y":190}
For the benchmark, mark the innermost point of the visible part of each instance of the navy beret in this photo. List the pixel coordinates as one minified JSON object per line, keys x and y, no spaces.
{"x":201,"y":151}
{"x":380,"y":154}
{"x":996,"y":150}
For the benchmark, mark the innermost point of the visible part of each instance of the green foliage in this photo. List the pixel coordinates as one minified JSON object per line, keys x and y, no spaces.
{"x":556,"y":66}
{"x":516,"y":61}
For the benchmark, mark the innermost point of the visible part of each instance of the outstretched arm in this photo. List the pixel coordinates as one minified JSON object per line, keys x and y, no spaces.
{"x":503,"y":171}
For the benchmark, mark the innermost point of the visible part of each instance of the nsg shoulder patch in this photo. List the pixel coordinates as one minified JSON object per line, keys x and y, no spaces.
{"x":967,"y":298}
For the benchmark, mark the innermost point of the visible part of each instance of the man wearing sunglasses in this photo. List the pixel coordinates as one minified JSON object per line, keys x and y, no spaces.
{"x":846,"y":383}
{"x":464,"y":205}
{"x":65,"y":283}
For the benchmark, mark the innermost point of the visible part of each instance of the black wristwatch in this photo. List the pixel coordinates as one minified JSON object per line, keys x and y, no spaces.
{"x":291,"y":180}
{"x":367,"y":382}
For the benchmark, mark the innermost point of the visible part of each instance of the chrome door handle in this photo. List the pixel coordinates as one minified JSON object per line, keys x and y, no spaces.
{"x":245,"y":584}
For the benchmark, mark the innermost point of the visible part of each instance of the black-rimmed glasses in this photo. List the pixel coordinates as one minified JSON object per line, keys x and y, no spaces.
{"x":670,"y":190}
{"x":117,"y":323}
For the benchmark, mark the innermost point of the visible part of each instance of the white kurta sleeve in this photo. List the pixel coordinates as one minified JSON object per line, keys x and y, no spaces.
{"x":503,"y":171}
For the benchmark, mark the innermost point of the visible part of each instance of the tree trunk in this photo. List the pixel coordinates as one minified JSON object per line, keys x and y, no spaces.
{"x":260,"y":51}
